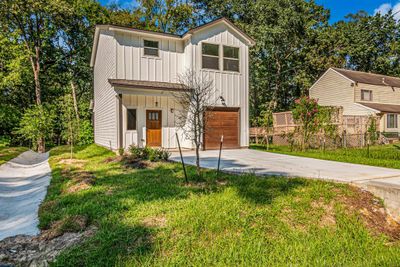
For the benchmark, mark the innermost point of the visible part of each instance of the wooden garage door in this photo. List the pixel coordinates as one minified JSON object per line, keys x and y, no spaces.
{"x":221,"y":122}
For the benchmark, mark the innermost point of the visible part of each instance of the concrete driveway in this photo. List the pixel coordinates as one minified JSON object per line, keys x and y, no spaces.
{"x":23,"y":185}
{"x":264,"y":163}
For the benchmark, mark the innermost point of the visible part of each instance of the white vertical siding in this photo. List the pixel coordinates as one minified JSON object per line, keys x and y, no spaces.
{"x":142,"y":103}
{"x":105,"y":105}
{"x":133,"y":64}
{"x":232,"y":86}
{"x":120,"y":56}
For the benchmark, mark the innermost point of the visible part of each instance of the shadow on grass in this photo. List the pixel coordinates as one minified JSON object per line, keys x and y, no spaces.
{"x":117,"y":192}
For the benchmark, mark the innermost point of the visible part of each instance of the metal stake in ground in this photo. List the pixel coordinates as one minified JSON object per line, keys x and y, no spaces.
{"x":219,"y":157}
{"x":183,"y":163}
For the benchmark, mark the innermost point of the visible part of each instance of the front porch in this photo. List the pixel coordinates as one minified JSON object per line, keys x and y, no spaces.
{"x":147,"y":114}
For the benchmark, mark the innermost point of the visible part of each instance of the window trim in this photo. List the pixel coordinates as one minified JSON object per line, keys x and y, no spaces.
{"x":136,"y":120}
{"x":395,"y":121}
{"x":219,"y":57}
{"x":238,"y":58}
{"x":370,"y":95}
{"x":158,"y":48}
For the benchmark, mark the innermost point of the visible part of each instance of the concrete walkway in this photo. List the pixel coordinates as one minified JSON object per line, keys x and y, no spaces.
{"x":23,"y":185}
{"x":384,"y":182}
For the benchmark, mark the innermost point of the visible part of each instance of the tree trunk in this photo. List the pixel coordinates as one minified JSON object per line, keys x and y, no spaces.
{"x":75,"y":101}
{"x":41,"y":145}
{"x":36,"y":74}
{"x":198,"y":160}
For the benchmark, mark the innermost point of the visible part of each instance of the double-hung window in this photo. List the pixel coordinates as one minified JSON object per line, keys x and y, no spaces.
{"x":366,"y":95}
{"x":391,"y":121}
{"x":231,"y":58}
{"x":210,"y":56}
{"x":150,"y":48}
{"x":131,"y":119}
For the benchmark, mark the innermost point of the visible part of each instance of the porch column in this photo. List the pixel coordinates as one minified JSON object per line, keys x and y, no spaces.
{"x":120,"y":141}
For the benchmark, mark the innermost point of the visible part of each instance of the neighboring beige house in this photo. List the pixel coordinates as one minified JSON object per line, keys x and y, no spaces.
{"x":361,"y":94}
{"x":136,"y":73}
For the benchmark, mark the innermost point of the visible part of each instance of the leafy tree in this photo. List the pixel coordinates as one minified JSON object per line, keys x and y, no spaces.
{"x":70,"y":122}
{"x":195,"y":100}
{"x":37,"y":124}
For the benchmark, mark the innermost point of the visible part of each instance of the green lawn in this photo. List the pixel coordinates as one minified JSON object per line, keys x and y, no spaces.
{"x":149,"y":217}
{"x":7,"y":153}
{"x":382,"y":156}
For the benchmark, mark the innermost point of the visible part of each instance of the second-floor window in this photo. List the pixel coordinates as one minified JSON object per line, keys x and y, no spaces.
{"x":231,"y":58}
{"x":210,"y":56}
{"x":366,"y":95}
{"x":150,"y":48}
{"x":391,"y":121}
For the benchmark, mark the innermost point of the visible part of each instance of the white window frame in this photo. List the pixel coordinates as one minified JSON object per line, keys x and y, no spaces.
{"x":219,"y":57}
{"x":395,"y":126}
{"x":230,"y":58}
{"x":158,"y":47}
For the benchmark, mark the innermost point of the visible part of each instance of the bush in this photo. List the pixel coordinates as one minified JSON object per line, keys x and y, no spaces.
{"x":147,"y":153}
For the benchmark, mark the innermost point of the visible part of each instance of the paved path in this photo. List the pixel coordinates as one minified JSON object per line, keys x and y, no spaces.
{"x":264,"y":163}
{"x":23,"y":185}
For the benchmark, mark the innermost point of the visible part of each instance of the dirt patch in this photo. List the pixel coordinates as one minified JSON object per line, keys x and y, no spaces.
{"x":82,"y":180}
{"x":135,"y":163}
{"x":113,"y":159}
{"x":371,"y":211}
{"x":158,"y":221}
{"x":68,"y":224}
{"x":78,"y":163}
{"x":47,"y":206}
{"x":328,"y":217}
{"x":36,"y":251}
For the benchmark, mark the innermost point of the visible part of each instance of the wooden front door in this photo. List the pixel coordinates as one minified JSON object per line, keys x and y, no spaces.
{"x":153,"y":128}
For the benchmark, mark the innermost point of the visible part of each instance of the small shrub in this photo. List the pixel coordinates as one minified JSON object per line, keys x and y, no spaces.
{"x":148,"y":153}
{"x":121,"y":151}
{"x":158,"y":154}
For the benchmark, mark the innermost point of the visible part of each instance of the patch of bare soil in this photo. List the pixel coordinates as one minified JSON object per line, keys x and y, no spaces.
{"x":78,"y":163}
{"x":68,"y":224}
{"x":158,"y":221}
{"x":25,"y":250}
{"x":136,"y":163}
{"x":372,"y":212}
{"x":113,"y":159}
{"x":328,"y":217}
{"x":82,"y":180}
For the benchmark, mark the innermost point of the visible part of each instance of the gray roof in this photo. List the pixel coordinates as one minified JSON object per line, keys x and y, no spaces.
{"x":370,"y":78}
{"x":153,"y":85}
{"x":385,"y":108}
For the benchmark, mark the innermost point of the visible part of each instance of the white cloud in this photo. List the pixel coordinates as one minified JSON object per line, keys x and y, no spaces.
{"x":386,"y":7}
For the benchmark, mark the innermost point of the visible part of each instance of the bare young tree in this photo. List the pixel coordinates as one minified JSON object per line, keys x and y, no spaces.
{"x":194,"y":100}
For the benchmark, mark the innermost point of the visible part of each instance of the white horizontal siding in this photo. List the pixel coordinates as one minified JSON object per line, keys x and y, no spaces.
{"x":332,"y":89}
{"x":380,"y":94}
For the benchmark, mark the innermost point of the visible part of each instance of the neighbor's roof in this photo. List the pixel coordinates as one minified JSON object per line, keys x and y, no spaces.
{"x":385,"y":108}
{"x":250,"y":41}
{"x":152,"y":85}
{"x":369,"y":78}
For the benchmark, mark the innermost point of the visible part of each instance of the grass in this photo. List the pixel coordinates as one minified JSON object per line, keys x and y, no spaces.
{"x":382,"y":156}
{"x":150,"y":217}
{"x":7,"y":153}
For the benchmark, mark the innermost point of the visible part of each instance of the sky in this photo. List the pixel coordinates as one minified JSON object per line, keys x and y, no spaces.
{"x":339,"y":8}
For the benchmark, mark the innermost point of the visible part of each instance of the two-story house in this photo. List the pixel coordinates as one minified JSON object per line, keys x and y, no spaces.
{"x":136,"y":76}
{"x":361,"y":94}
